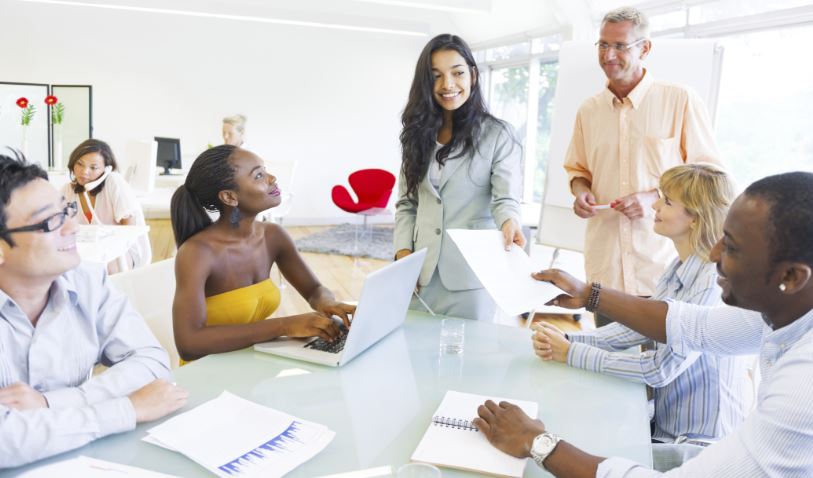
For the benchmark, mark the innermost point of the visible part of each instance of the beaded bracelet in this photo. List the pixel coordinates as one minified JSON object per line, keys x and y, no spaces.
{"x":592,"y":301}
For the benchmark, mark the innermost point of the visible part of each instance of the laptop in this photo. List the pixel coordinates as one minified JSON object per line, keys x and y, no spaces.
{"x":382,"y":308}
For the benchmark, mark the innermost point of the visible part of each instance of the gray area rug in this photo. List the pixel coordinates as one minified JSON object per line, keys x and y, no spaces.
{"x":374,"y":242}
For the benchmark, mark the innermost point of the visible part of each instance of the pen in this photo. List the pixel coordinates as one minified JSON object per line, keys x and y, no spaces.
{"x":423,"y":303}
{"x":553,"y":259}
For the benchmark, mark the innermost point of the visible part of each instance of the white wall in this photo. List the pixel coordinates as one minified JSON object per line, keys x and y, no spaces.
{"x":508,"y":18}
{"x":330,"y":99}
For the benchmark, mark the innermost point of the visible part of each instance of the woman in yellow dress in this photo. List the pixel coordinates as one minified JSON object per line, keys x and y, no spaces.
{"x":223,"y":288}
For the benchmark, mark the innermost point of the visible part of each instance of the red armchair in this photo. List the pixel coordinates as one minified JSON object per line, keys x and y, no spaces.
{"x":373,"y":188}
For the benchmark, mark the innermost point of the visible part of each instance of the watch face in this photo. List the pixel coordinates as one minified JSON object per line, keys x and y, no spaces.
{"x":543,"y":445}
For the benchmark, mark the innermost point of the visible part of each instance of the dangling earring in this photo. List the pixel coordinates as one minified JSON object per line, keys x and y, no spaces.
{"x":782,"y":287}
{"x":234,"y":219}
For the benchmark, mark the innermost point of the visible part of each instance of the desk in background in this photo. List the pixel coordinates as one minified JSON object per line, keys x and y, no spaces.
{"x":381,"y":403}
{"x":103,"y":244}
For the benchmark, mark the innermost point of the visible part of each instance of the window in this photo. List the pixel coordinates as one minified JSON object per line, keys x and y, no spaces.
{"x":765,"y":96}
{"x":763,"y":115}
{"x":727,"y":9}
{"x":520,"y":81}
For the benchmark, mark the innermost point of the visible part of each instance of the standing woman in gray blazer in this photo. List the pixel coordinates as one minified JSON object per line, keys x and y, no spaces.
{"x":460,"y":170}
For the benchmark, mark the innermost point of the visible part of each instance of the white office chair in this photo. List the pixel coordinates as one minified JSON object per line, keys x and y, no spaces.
{"x":151,"y":290}
{"x":140,"y":173}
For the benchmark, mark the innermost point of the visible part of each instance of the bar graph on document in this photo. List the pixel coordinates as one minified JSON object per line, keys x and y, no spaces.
{"x":234,"y":437}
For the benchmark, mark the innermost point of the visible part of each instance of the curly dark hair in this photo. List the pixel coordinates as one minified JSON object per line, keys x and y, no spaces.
{"x":790,"y":198}
{"x":423,"y":117}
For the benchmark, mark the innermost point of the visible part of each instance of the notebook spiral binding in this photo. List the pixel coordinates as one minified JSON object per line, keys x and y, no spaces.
{"x":456,"y":423}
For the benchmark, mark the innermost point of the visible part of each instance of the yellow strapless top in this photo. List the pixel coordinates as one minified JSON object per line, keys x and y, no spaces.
{"x":244,"y":305}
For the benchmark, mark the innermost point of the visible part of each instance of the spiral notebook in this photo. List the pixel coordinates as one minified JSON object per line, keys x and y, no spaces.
{"x":453,"y":441}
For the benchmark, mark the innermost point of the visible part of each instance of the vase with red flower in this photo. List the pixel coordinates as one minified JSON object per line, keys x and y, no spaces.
{"x":57,"y":115}
{"x":26,"y":116}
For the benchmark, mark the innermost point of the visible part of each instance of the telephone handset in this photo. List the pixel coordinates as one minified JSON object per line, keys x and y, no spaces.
{"x":96,"y":182}
{"x":93,"y":185}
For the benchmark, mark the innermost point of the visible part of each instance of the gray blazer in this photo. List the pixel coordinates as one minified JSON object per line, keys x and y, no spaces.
{"x":477,"y":191}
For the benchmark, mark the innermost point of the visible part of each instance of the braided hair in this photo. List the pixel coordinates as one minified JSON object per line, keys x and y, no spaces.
{"x":211,"y":173}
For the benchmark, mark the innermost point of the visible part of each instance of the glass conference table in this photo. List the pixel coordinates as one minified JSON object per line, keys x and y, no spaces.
{"x":381,"y":403}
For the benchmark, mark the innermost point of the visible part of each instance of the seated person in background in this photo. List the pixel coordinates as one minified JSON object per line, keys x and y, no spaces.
{"x":765,"y":265}
{"x":224,"y":293}
{"x":699,"y":397}
{"x":105,"y":197}
{"x":234,"y":130}
{"x":58,"y":319}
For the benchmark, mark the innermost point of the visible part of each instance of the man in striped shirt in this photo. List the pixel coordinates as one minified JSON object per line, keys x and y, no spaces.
{"x":765,"y":266}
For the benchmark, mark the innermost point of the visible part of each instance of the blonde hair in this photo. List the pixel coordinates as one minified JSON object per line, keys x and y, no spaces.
{"x":238,"y":121}
{"x":640,"y":22}
{"x":706,"y":192}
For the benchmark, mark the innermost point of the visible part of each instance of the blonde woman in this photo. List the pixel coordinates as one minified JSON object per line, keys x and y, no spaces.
{"x":234,"y":130}
{"x":698,"y":397}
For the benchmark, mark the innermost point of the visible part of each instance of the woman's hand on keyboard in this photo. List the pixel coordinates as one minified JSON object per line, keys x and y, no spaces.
{"x":310,"y":325}
{"x":341,"y":310}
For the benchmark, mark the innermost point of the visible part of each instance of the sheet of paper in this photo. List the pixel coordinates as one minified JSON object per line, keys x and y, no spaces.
{"x":506,"y":275}
{"x":465,"y":448}
{"x":231,"y":436}
{"x":91,"y":468}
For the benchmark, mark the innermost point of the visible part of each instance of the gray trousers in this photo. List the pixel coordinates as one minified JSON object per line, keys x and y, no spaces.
{"x":473,"y":304}
{"x":666,"y":456}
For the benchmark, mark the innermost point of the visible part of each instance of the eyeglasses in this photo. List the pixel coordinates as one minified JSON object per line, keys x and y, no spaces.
{"x":618,"y":47}
{"x":50,"y":224}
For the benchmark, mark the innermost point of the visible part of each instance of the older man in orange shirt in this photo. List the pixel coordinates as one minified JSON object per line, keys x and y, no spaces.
{"x":623,"y":139}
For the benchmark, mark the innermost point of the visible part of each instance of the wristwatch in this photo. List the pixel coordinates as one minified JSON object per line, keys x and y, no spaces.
{"x":543,"y":446}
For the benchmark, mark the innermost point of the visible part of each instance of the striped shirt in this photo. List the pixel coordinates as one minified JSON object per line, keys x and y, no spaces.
{"x":696,"y":395}
{"x":777,"y":438}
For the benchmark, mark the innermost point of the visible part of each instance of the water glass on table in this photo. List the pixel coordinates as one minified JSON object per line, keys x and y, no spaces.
{"x":452,"y":335}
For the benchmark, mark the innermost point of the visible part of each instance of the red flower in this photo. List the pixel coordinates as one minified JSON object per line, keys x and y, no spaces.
{"x":50,"y":100}
{"x":22,"y":102}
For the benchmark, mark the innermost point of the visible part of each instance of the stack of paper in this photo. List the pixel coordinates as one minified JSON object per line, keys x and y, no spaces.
{"x":451,"y":440}
{"x":231,"y":436}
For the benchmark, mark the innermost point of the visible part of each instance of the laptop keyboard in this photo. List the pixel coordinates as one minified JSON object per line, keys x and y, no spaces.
{"x":330,"y":347}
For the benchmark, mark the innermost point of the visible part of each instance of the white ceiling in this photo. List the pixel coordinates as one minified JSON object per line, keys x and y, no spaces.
{"x":479,"y":21}
{"x":475,"y":20}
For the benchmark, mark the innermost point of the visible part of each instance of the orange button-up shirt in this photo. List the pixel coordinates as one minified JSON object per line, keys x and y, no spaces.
{"x":622,"y":147}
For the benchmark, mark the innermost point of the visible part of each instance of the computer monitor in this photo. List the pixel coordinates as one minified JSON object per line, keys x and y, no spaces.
{"x":168,"y":154}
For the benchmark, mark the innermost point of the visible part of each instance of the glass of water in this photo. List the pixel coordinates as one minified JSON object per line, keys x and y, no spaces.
{"x":417,"y":470}
{"x":452,"y":335}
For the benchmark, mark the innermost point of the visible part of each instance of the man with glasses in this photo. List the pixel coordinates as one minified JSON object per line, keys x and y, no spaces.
{"x":624,"y":138}
{"x":58,"y":320}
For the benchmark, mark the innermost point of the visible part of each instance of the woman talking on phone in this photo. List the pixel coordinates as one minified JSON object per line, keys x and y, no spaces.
{"x":105,"y":198}
{"x":460,"y":170}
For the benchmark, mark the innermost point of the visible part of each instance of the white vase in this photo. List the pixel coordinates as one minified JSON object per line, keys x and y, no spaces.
{"x":24,"y":143}
{"x":58,"y":164}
